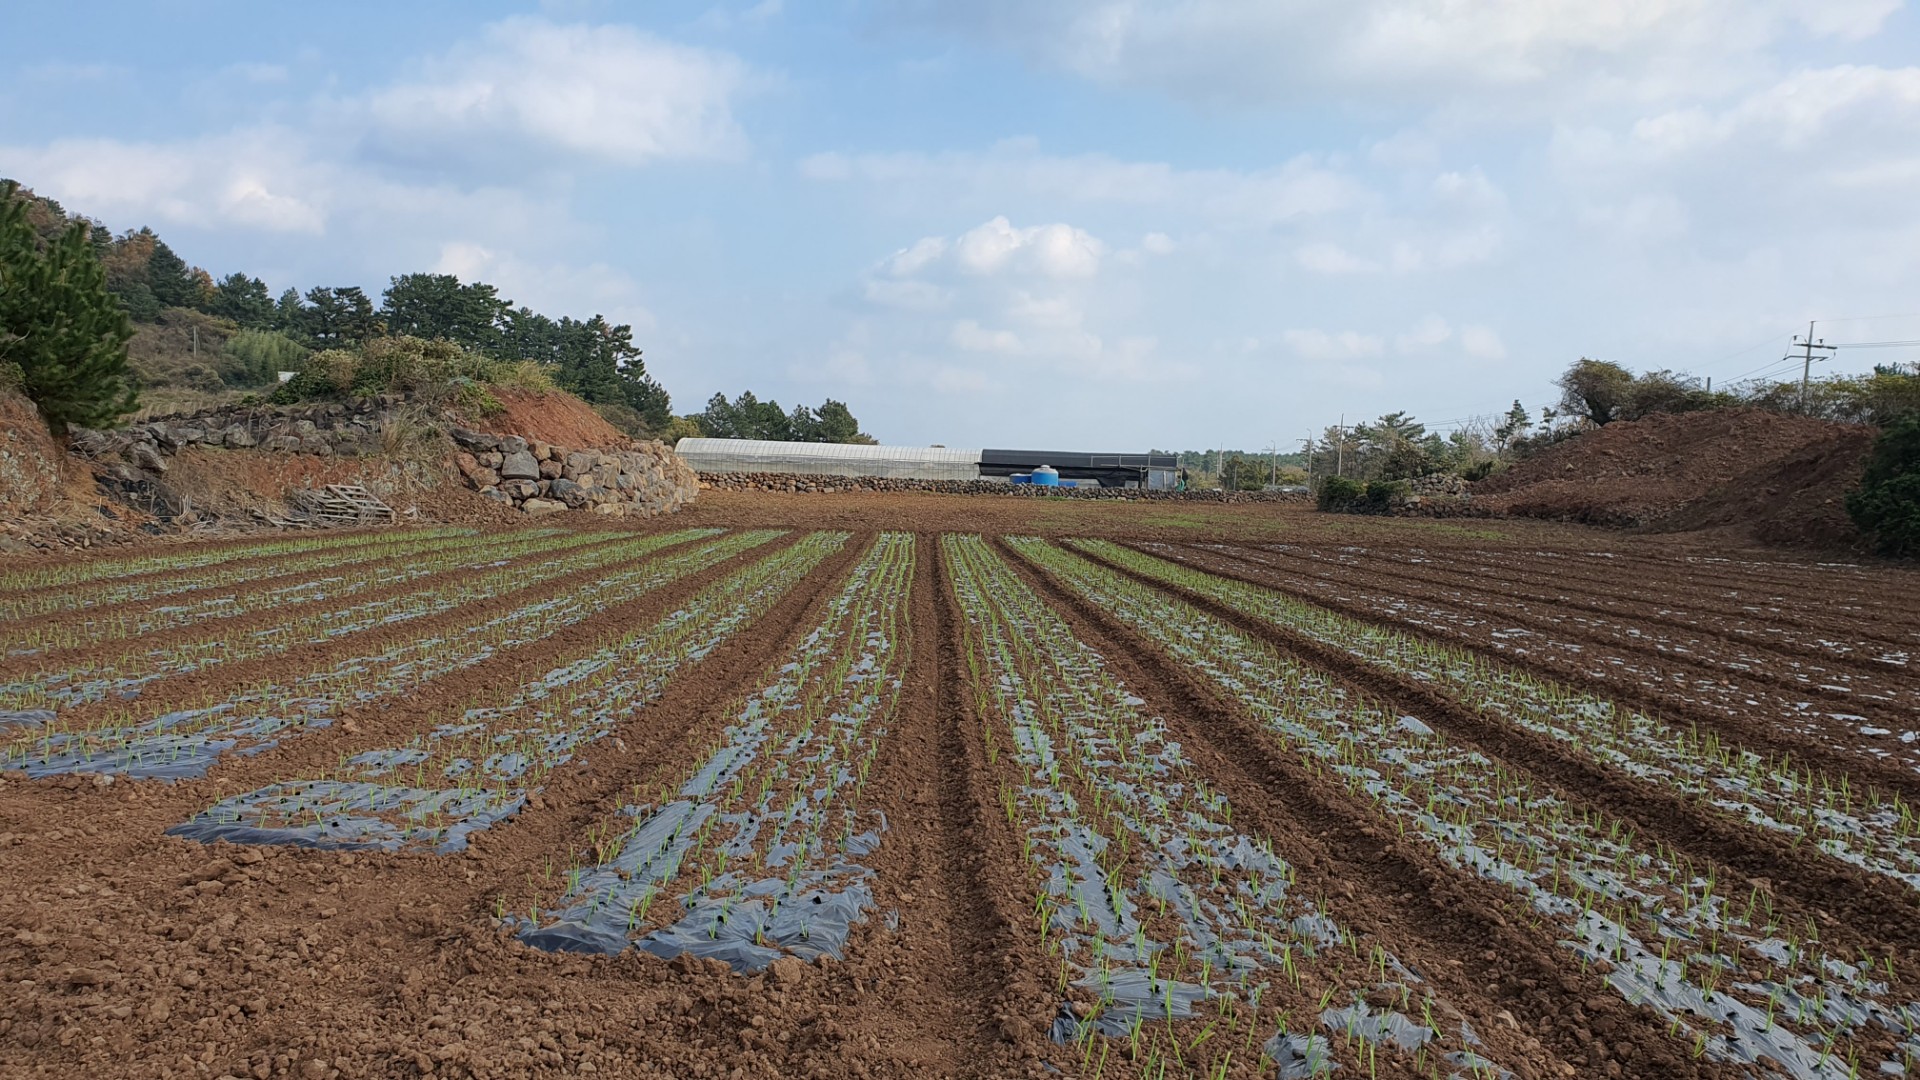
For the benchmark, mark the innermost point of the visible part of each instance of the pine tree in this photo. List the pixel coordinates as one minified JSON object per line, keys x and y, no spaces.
{"x":63,"y":336}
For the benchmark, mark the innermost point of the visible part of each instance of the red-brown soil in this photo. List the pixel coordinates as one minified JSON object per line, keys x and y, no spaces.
{"x":125,"y":952}
{"x":557,"y":418}
{"x":1762,"y":475}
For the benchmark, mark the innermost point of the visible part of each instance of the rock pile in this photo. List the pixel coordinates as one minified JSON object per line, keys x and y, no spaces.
{"x":335,"y":429}
{"x":1439,"y":486}
{"x":820,"y":484}
{"x":540,"y":478}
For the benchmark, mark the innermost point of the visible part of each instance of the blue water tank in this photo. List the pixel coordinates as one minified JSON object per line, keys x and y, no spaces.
{"x":1020,"y":478}
{"x":1046,"y":476}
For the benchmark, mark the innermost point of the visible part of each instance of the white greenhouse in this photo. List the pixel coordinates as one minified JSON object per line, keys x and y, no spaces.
{"x":829,"y":459}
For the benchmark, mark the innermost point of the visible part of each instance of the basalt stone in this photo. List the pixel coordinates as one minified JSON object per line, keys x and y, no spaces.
{"x":238,"y":437}
{"x":568,"y":492}
{"x":512,"y":444}
{"x":519,"y":465}
{"x":540,"y":507}
{"x":520,"y":489}
{"x":549,"y":470}
{"x":475,"y":441}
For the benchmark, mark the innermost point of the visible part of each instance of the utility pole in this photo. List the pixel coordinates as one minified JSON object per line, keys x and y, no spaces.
{"x":1807,"y":346}
{"x":1340,"y":454}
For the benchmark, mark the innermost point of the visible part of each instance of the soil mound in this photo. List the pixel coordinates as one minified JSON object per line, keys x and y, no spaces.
{"x":1764,"y":475}
{"x":560,"y":419}
{"x":30,"y":476}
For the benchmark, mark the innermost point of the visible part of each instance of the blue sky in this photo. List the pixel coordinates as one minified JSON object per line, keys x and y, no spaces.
{"x":1099,"y":223}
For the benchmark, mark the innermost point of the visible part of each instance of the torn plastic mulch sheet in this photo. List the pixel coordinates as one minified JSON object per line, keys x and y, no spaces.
{"x":332,"y":814}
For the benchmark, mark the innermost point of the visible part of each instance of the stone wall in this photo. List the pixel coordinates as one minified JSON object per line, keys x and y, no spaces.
{"x":644,"y":478}
{"x":539,"y":478}
{"x":334,"y":429}
{"x":819,"y":484}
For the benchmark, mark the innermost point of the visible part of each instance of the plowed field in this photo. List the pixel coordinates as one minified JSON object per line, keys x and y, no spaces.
{"x":921,"y":786}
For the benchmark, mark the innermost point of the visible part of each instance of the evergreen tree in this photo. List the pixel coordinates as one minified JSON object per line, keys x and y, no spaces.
{"x":243,"y":299}
{"x":434,"y":306}
{"x":63,"y":336}
{"x":170,"y":279}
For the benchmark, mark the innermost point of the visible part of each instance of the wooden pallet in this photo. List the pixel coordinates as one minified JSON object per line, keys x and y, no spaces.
{"x":344,"y":504}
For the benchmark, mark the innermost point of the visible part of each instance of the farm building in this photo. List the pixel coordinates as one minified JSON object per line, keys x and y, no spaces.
{"x":924,"y":463}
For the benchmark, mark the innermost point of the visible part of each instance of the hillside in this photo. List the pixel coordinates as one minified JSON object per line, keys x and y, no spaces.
{"x":1763,"y":475}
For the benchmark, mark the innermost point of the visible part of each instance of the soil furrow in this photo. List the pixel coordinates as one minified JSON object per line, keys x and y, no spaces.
{"x":239,"y":627}
{"x":1739,"y":729}
{"x":202,"y":555}
{"x":1475,"y":942}
{"x":1864,"y":725}
{"x":1796,"y":603}
{"x":953,"y":939}
{"x":392,"y":722}
{"x":1516,"y":599}
{"x":1846,"y":900}
{"x":83,"y":618}
{"x":212,"y":684}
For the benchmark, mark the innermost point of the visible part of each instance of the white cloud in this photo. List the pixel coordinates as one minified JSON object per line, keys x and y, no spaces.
{"x":908,"y":295}
{"x":1482,"y":343}
{"x":1330,"y":258}
{"x":971,"y":336}
{"x":1301,"y":188}
{"x":1425,"y":334}
{"x":1322,"y":345}
{"x":1052,"y":250}
{"x":1157,"y":243}
{"x":609,"y":93}
{"x":1274,"y":50}
{"x":554,"y":288}
{"x":262,"y":179}
{"x":999,"y":247}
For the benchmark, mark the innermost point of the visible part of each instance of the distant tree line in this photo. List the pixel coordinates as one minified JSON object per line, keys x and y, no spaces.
{"x":106,"y":286}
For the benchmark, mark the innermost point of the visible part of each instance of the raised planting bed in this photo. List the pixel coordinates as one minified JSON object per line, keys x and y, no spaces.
{"x":1746,"y":977}
{"x":480,"y":768}
{"x":760,"y":851}
{"x":186,"y":742}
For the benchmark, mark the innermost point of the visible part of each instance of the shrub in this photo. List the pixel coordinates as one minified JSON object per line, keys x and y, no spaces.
{"x":257,"y":357}
{"x":1886,"y":505}
{"x":1338,"y":494}
{"x":529,"y":375}
{"x":1381,"y":495}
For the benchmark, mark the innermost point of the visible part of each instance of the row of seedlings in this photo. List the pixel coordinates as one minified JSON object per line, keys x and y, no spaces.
{"x":80,"y":596}
{"x":1738,"y":614}
{"x":1739,"y":976}
{"x":126,"y":673}
{"x":188,"y":558}
{"x":1874,"y":830}
{"x":460,"y":778}
{"x":186,"y":742}
{"x":1734,"y":675}
{"x":395,"y":565}
{"x":1151,"y":898}
{"x":761,"y":851}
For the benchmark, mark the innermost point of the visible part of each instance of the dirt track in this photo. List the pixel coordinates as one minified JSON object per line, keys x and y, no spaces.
{"x":127,"y":952}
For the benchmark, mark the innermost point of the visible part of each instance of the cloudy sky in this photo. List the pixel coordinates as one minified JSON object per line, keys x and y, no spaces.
{"x":1107,"y":224}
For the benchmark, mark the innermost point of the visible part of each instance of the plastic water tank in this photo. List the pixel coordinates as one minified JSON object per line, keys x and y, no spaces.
{"x":1020,"y":478}
{"x":1046,"y":476}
